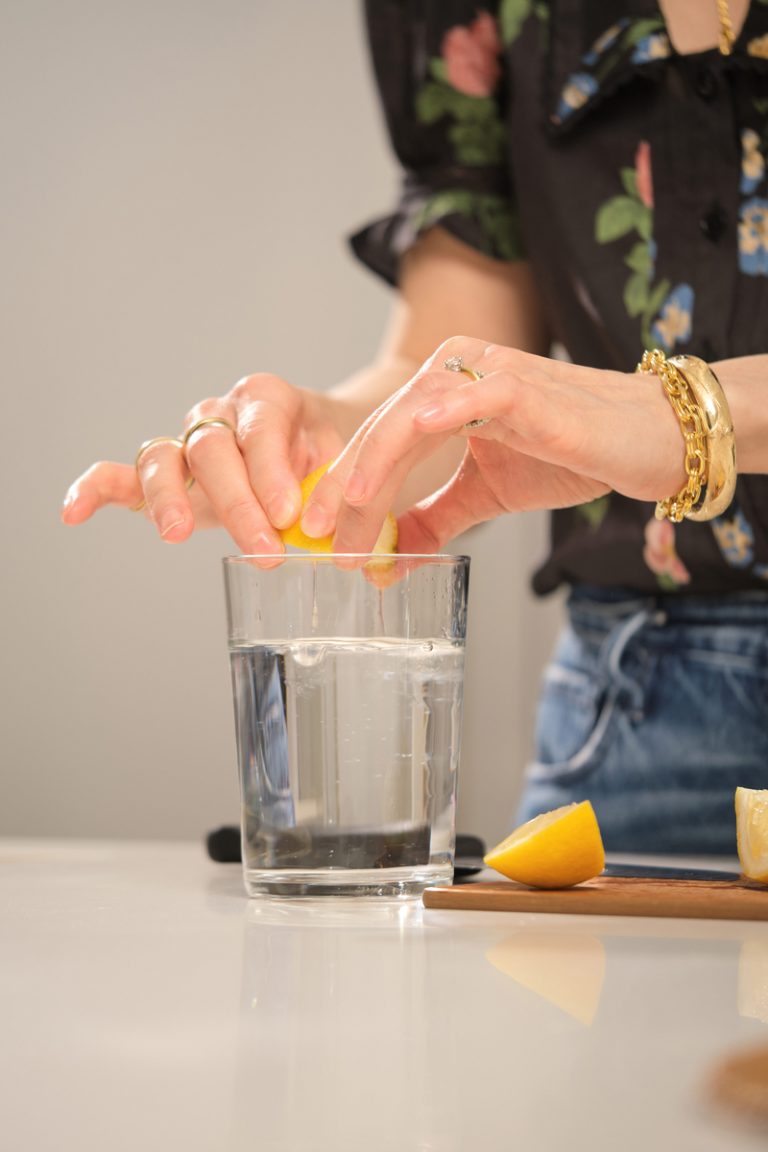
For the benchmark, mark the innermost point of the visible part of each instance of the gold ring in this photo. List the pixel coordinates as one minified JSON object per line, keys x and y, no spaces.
{"x":456,"y":364}
{"x":202,"y":424}
{"x":156,"y":440}
{"x":149,"y":444}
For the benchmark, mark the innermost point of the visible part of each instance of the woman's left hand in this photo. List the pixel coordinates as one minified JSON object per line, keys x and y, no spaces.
{"x":557,"y":435}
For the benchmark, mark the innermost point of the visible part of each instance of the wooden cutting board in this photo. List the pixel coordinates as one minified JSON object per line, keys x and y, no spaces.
{"x":612,"y":896}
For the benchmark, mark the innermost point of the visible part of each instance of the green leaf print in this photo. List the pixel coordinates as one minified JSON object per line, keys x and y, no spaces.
{"x":594,"y":512}
{"x":619,"y":215}
{"x":496,"y":221}
{"x":666,"y":582}
{"x":639,"y":258}
{"x":645,"y":222}
{"x":476,"y":148}
{"x":438,"y":69}
{"x":629,"y":180}
{"x":432,"y":102}
{"x":636,"y":294}
{"x":512,"y":16}
{"x":642,"y":28}
{"x":655,"y":301}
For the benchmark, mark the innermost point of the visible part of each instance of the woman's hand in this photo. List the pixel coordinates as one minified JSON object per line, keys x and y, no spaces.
{"x":558,"y":435}
{"x":248,"y":480}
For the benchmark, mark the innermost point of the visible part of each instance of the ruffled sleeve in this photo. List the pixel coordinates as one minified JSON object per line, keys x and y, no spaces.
{"x":440,"y":71}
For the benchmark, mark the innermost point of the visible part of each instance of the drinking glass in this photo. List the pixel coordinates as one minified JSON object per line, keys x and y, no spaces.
{"x":347,"y":676}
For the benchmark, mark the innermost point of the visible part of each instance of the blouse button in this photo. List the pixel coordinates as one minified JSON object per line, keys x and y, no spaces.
{"x":705,"y":83}
{"x":714,"y":223}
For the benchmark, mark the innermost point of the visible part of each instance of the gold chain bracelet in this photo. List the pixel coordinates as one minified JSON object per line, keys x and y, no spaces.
{"x":692,"y":426}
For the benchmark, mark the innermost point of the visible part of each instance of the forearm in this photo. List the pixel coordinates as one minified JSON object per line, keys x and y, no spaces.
{"x":446,"y":289}
{"x":745,"y":383}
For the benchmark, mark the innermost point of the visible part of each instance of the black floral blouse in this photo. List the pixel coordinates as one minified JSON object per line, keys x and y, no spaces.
{"x":634,"y":179}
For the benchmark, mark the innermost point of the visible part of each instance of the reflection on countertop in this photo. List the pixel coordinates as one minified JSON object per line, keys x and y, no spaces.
{"x":147,"y":1002}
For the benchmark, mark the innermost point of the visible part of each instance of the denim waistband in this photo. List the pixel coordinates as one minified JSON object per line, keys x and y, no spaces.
{"x":748,"y":608}
{"x":731,"y":626}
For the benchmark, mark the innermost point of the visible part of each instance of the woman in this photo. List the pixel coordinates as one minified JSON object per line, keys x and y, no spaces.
{"x":602,"y":185}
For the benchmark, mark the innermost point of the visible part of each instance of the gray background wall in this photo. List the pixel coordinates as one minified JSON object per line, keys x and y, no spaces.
{"x":178,"y":177}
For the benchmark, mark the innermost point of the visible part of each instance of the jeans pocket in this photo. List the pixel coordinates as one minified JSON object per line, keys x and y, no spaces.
{"x":724,"y":694}
{"x":573,"y":725}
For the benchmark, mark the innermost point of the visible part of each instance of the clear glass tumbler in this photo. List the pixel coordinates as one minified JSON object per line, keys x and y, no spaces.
{"x":348,"y":698}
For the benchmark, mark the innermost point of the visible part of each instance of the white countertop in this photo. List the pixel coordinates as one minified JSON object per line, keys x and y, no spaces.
{"x":147,"y":1004}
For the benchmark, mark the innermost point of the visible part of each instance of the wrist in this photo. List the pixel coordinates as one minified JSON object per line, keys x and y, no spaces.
{"x":744,"y":382}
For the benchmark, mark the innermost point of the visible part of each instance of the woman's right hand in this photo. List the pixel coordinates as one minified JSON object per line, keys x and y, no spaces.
{"x":248,"y":482}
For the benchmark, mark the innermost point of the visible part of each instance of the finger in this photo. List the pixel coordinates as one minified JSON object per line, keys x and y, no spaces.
{"x":164,"y":477}
{"x":103,"y":484}
{"x":358,"y":526}
{"x":371,"y":469}
{"x":266,"y":413}
{"x":457,"y":506}
{"x":393,"y":431}
{"x":215,"y":461}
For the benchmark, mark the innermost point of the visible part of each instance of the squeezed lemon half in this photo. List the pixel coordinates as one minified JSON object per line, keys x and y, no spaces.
{"x":555,"y":850}
{"x":294,"y":537}
{"x":752,"y":832}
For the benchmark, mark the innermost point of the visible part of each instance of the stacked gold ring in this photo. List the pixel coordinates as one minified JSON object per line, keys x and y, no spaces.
{"x":456,"y":364}
{"x":205,"y":422}
{"x":145,"y":448}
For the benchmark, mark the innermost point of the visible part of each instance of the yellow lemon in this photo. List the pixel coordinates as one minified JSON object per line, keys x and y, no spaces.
{"x":555,"y":850}
{"x":752,"y":832}
{"x":294,"y":537}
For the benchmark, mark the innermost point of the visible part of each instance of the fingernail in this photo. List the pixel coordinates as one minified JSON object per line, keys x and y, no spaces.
{"x":430,"y":412}
{"x":354,"y":489}
{"x":283,"y":510}
{"x":68,"y":501}
{"x":169,"y":520}
{"x":264,"y":544}
{"x":316,"y":521}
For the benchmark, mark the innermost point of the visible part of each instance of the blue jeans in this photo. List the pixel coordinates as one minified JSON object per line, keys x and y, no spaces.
{"x":655,"y":709}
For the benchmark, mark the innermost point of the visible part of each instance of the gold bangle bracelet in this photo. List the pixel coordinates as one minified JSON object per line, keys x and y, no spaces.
{"x":718,"y":428}
{"x":690,"y":417}
{"x":699,"y":403}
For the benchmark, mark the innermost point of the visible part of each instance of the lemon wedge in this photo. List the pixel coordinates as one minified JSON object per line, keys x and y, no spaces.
{"x":752,"y":832}
{"x":555,"y":850}
{"x":294,"y":537}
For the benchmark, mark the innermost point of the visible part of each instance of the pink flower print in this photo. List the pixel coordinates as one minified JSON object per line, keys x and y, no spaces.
{"x":659,"y":552}
{"x":643,"y":173}
{"x":471,"y":56}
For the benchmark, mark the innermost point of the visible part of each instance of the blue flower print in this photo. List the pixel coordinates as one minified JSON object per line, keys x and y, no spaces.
{"x":605,"y":41}
{"x":753,"y":237}
{"x":673,"y":324}
{"x":652,"y":250}
{"x":752,"y":161}
{"x":735,"y":539}
{"x":654,"y":47}
{"x":577,"y":91}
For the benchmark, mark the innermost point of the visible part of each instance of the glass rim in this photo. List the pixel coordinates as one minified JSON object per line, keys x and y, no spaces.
{"x":327,"y":557}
